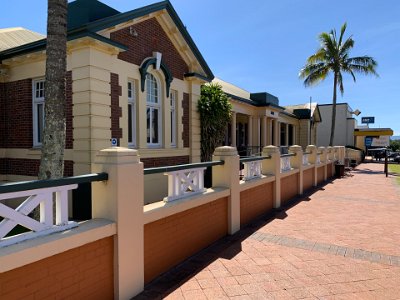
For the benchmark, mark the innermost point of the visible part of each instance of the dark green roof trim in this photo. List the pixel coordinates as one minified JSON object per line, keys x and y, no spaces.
{"x":197,"y":75}
{"x":289,"y":114}
{"x":244,"y":100}
{"x":254,"y":103}
{"x":41,"y":44}
{"x":302,"y":113}
{"x":264,"y":98}
{"x":139,"y":12}
{"x":143,"y":72}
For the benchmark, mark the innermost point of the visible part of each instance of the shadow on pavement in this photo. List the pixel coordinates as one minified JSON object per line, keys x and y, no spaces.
{"x":227,"y":248}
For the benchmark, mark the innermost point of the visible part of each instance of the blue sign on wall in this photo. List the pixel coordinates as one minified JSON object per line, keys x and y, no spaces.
{"x":368,"y":120}
{"x":368,"y":141}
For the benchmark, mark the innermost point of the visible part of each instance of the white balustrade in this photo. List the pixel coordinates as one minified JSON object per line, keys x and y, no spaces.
{"x":318,"y":161}
{"x":305,"y":159}
{"x":252,"y":170}
{"x":184,"y":183}
{"x":285,"y":164}
{"x":43,"y":197}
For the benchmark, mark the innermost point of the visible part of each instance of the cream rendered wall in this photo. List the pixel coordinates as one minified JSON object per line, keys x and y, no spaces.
{"x":91,"y":104}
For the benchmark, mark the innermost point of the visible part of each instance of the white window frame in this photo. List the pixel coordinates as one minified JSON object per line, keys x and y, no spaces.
{"x":38,"y":98}
{"x":153,"y":102}
{"x":131,"y":91}
{"x":173,"y":98}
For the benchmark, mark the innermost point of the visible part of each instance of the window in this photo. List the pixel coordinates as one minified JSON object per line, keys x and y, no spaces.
{"x":153,"y":111}
{"x":131,"y":114}
{"x":173,"y":98}
{"x":38,"y":111}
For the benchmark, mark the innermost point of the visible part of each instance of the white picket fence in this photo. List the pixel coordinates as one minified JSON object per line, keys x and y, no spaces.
{"x":44,"y":198}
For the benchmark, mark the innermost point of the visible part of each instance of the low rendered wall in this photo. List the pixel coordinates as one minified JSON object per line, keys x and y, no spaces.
{"x":320,"y":174}
{"x":308,"y":179}
{"x":329,"y":170}
{"x":86,"y":272}
{"x":255,"y":202}
{"x":289,"y":187}
{"x":353,"y":154}
{"x":171,"y":240}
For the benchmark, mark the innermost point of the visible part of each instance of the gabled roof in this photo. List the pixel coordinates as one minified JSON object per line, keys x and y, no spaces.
{"x":88,"y":20}
{"x":17,"y":36}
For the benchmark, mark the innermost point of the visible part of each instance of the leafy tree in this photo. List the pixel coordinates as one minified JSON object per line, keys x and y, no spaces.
{"x":333,"y":57}
{"x":52,"y":159}
{"x":215,"y":114}
{"x":395,"y":145}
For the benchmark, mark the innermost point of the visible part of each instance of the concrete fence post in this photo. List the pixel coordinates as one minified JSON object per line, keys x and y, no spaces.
{"x":342,"y":154}
{"x":120,"y":199}
{"x":297,"y":163}
{"x":330,"y":159}
{"x":227,"y":176}
{"x":273,"y":167}
{"x":324,"y":160}
{"x":312,"y":159}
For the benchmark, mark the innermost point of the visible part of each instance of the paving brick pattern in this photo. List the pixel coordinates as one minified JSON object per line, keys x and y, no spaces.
{"x":340,"y":242}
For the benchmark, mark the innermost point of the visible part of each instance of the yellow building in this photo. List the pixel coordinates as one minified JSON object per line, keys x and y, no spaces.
{"x":259,"y":121}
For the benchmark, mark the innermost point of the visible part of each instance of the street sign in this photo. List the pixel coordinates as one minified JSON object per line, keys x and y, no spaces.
{"x":114,"y":142}
{"x":382,"y":141}
{"x":368,"y":120}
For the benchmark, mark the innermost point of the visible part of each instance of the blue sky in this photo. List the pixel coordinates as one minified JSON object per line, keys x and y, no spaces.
{"x":261,"y":45}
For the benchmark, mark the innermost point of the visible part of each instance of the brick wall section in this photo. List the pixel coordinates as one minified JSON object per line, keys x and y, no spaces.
{"x":17,"y":119}
{"x":320,"y":175}
{"x":28,"y":167}
{"x":155,"y":162}
{"x":16,"y":124}
{"x":116,"y":110}
{"x":255,"y":202}
{"x":68,"y":111}
{"x":81,"y":273}
{"x":173,"y":239}
{"x":151,"y":37}
{"x":185,"y":120}
{"x":308,"y":180}
{"x":289,"y":187}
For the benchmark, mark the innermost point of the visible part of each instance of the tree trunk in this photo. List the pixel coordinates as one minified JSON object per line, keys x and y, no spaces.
{"x":333,"y":110}
{"x":52,"y":159}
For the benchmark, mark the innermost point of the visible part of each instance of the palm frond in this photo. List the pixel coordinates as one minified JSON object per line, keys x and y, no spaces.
{"x":318,"y":57}
{"x":363,"y":64}
{"x":342,"y":30}
{"x":316,"y":76}
{"x":347,"y":46}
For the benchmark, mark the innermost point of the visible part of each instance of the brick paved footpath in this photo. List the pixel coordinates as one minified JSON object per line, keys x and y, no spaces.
{"x":340,"y":242}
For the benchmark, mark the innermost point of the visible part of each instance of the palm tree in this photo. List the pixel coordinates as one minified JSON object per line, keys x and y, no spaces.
{"x":333,"y":57}
{"x":52,"y":159}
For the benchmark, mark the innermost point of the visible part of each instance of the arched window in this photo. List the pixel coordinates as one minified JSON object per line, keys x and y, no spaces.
{"x":153,"y":111}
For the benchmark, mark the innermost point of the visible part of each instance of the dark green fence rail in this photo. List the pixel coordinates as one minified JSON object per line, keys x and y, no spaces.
{"x":39,"y":184}
{"x":182,"y":167}
{"x":289,"y":154}
{"x":253,"y":158}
